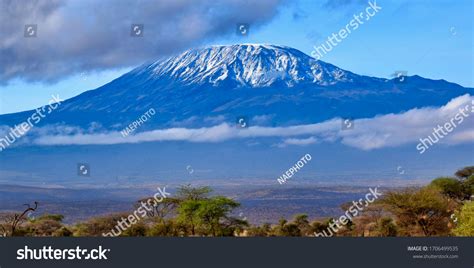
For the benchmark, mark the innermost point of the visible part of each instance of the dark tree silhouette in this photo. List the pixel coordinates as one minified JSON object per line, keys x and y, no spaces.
{"x":14,"y":220}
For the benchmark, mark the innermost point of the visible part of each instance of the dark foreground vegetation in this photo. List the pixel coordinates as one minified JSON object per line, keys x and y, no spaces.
{"x":442,"y":208}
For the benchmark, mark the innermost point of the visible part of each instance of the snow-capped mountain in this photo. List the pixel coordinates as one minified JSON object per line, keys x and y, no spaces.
{"x":247,"y":66}
{"x":276,"y":85}
{"x":201,"y":90}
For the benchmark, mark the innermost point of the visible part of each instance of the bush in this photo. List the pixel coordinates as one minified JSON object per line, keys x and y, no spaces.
{"x":386,"y":227}
{"x":43,"y":227}
{"x":167,"y":228}
{"x":450,"y":187}
{"x":98,"y":226}
{"x":465,"y":221}
{"x":63,"y":231}
{"x":138,"y":229}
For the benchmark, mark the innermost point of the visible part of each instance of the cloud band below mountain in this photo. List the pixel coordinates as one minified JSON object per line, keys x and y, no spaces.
{"x":389,"y":130}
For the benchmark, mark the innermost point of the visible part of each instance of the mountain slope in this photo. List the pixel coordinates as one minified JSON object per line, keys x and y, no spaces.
{"x":274,"y":85}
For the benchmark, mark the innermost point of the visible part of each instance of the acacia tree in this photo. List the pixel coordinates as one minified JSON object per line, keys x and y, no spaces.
{"x":187,"y":192}
{"x":210,"y":216}
{"x":187,"y":214}
{"x":465,"y":172}
{"x":158,"y":210}
{"x":204,"y":214}
{"x":419,"y":212}
{"x":459,"y":188}
{"x":366,"y":221}
{"x":213,"y":216}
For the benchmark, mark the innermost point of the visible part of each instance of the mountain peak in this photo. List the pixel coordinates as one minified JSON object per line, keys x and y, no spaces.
{"x":253,"y":65}
{"x":204,"y":86}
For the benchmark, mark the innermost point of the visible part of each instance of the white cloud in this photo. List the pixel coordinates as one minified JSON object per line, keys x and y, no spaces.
{"x":371,"y":133}
{"x":261,"y":119}
{"x":86,"y":35}
{"x":215,"y":119}
{"x":295,"y":141}
{"x":463,"y":136}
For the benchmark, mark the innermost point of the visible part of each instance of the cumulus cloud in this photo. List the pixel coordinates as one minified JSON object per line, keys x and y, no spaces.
{"x":74,"y":36}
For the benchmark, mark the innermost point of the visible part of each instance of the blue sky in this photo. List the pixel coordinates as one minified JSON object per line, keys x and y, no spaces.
{"x":433,"y":39}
